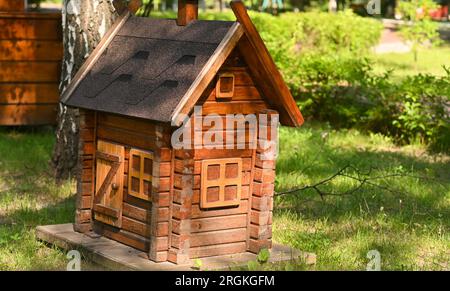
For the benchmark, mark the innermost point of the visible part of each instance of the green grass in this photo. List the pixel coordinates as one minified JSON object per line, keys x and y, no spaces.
{"x":408,"y":226}
{"x":29,"y":197}
{"x":430,"y":60}
{"x":413,"y":234}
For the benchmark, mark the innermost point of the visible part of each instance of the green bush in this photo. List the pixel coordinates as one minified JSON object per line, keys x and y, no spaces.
{"x":424,"y":111}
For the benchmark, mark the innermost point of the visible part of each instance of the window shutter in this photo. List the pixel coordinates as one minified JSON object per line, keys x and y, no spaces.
{"x":109,"y":183}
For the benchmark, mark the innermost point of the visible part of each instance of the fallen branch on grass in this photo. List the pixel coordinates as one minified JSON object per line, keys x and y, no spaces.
{"x":359,"y":176}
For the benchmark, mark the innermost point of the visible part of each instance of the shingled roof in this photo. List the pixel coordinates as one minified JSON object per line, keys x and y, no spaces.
{"x":148,"y":67}
{"x":157,"y":70}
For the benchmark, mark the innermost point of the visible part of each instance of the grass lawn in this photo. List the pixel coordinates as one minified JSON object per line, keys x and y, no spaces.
{"x":407,"y":219}
{"x":429,"y":61}
{"x":29,"y":197}
{"x":411,"y":234}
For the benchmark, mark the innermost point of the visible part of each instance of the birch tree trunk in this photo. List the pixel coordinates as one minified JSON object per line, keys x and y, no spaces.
{"x":84,"y":24}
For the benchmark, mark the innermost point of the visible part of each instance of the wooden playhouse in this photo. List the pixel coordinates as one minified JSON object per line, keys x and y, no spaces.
{"x":134,"y":92}
{"x":30,"y":63}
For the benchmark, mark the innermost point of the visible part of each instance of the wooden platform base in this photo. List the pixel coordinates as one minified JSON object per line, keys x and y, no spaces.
{"x":116,"y":256}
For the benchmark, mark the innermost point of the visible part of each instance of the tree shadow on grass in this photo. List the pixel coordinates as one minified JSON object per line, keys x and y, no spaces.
{"x":408,"y":199}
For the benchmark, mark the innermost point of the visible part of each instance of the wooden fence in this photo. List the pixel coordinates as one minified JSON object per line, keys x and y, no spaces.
{"x":30,"y":61}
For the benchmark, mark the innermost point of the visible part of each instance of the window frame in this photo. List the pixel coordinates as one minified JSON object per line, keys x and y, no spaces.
{"x":141,"y":175}
{"x":225,"y":96}
{"x":222,"y":182}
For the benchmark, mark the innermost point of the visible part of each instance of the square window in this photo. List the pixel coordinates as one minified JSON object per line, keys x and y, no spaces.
{"x":230,"y":192}
{"x":136,"y":161}
{"x":225,"y":87}
{"x":147,"y":187}
{"x":135,"y":184}
{"x":231,"y":171}
{"x":226,"y":84}
{"x":148,"y":164}
{"x":212,"y":194}
{"x":140,"y":174}
{"x":221,"y":183}
{"x":213,"y":172}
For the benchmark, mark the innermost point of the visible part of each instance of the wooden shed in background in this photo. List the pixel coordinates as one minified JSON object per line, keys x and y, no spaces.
{"x":30,"y":63}
{"x":139,"y":86}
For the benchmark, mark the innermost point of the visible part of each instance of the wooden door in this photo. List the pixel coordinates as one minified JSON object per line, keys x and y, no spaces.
{"x":109,"y":183}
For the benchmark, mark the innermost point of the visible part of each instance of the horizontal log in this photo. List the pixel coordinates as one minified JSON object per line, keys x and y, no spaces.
{"x":82,"y":215}
{"x":162,"y":185}
{"x":181,"y":212}
{"x":137,"y":213}
{"x":218,"y":223}
{"x":203,"y":213}
{"x":255,"y":246}
{"x":163,"y":214}
{"x":160,"y":243}
{"x":106,"y":210}
{"x":238,"y":107}
{"x":27,"y":114}
{"x":264,"y":164}
{"x":86,"y":188}
{"x":163,"y":155}
{"x":8,"y":5}
{"x":135,"y":226}
{"x":203,"y":154}
{"x":87,"y":134}
{"x":162,"y":169}
{"x":241,"y":93}
{"x":126,"y":137}
{"x":31,"y":26}
{"x":123,"y":236}
{"x":161,"y":199}
{"x":86,"y":175}
{"x":215,"y":250}
{"x":135,"y":125}
{"x":85,"y":202}
{"x":162,"y":229}
{"x":30,"y":50}
{"x":144,"y":204}
{"x":264,"y":203}
{"x":263,"y":189}
{"x":87,"y":118}
{"x":87,"y":164}
{"x":35,"y":72}
{"x":261,"y":217}
{"x":160,"y":257}
{"x":88,"y":148}
{"x":261,"y":232}
{"x":20,"y":93}
{"x":264,"y":175}
{"x":214,"y":237}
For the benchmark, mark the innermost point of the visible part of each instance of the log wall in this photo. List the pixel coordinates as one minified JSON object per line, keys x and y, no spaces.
{"x":198,"y":232}
{"x":145,"y":223}
{"x":30,"y":61}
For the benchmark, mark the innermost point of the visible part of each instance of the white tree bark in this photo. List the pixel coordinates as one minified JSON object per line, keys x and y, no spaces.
{"x":84,"y":22}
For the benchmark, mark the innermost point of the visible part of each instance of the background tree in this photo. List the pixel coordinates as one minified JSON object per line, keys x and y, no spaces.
{"x":419,"y":29}
{"x":84,"y":24}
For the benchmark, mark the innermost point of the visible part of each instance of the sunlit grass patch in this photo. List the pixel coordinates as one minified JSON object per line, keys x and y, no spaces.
{"x":395,"y":217}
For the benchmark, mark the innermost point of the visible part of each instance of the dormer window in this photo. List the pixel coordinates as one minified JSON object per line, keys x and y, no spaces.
{"x":225,"y":87}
